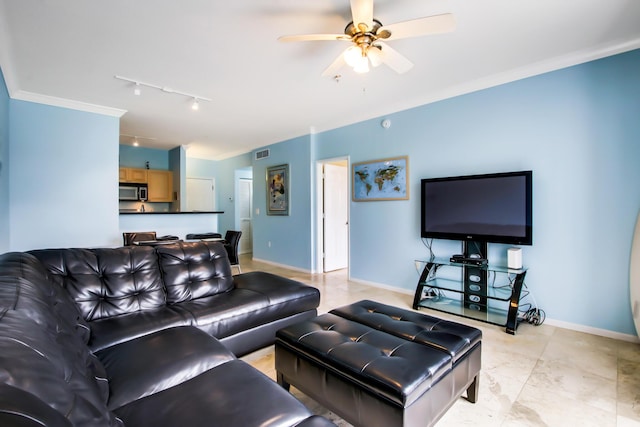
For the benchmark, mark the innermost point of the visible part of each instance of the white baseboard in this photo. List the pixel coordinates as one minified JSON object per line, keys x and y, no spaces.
{"x":288,"y":267}
{"x":551,"y":322}
{"x":593,"y":331}
{"x":382,"y":286}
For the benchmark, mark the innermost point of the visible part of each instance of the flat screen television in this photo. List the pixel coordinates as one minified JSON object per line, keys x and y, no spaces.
{"x":492,"y":208}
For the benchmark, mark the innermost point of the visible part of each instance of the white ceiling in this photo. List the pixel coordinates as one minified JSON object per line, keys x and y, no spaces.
{"x":264,"y":91}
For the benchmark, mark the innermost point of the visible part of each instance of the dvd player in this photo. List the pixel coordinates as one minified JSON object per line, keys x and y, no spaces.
{"x":459,"y":259}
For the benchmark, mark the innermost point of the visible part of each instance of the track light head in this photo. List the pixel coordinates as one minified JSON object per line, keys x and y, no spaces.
{"x":196,"y":105}
{"x":137,"y":90}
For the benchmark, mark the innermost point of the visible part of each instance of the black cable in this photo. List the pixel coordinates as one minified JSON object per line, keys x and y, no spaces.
{"x":533,"y":315}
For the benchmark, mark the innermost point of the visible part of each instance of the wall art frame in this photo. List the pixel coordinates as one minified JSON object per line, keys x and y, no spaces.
{"x":278,"y":188}
{"x":382,"y":179}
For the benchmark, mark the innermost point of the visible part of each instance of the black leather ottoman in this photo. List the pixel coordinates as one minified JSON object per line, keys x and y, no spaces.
{"x":378,"y":365}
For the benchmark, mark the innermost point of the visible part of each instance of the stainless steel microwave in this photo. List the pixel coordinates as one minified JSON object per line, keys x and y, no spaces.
{"x":134,"y":192}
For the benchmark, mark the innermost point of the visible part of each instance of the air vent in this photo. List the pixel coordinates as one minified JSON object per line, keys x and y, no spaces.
{"x":262,"y":154}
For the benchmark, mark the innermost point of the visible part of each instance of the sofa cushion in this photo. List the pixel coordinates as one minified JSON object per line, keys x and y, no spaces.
{"x":114,"y":330}
{"x":194,"y":270}
{"x":158,"y":361}
{"x":233,"y":394}
{"x":108,"y":282}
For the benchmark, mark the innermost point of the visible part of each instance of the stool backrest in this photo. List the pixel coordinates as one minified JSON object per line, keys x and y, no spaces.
{"x":232,"y":239}
{"x":137,"y":236}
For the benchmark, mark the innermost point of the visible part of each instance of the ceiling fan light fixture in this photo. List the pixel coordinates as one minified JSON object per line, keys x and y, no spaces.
{"x":352,"y":56}
{"x":362,"y":66}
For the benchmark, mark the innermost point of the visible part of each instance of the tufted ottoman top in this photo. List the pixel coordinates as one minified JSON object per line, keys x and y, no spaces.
{"x":387,"y":365}
{"x":451,"y":337}
{"x":394,"y":353}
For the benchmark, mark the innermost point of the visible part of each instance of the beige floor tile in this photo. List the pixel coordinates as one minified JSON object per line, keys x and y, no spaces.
{"x":545,"y":407}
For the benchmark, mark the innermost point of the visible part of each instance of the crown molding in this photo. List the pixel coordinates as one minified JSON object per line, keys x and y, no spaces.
{"x":22,"y":95}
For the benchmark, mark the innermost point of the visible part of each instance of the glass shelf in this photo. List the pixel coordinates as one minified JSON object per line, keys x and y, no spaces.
{"x":488,"y":314}
{"x":488,"y":293}
{"x":487,"y":267}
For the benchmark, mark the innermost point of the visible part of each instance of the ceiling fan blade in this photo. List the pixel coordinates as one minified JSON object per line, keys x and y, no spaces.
{"x":314,"y":37}
{"x":375,"y":56}
{"x":393,"y":59}
{"x":420,"y":27}
{"x":362,"y":12}
{"x":332,"y":70}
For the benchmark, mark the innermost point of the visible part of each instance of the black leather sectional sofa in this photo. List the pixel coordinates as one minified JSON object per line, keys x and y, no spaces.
{"x":142,"y":336}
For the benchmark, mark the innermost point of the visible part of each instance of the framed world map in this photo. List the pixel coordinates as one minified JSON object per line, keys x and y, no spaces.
{"x":384,"y":179}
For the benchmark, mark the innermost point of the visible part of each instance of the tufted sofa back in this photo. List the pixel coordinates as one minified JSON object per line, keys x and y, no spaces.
{"x":107,"y":282}
{"x":194,"y":270}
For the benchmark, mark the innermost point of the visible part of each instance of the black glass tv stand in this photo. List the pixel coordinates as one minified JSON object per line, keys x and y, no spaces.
{"x":482,"y":292}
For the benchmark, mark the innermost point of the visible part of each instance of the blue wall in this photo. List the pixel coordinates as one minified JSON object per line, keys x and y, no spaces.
{"x":290,"y":236}
{"x":4,"y":166}
{"x":136,"y":157}
{"x":63,"y":175}
{"x":578,"y":129}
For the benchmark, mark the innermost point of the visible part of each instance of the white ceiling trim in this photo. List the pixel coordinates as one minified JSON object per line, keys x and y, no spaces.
{"x":510,"y":76}
{"x":22,"y":95}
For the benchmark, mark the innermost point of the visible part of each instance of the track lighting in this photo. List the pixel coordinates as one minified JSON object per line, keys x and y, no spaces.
{"x":138,"y":86}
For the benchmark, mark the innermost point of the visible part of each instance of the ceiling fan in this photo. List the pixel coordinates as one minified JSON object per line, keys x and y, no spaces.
{"x":368,"y":37}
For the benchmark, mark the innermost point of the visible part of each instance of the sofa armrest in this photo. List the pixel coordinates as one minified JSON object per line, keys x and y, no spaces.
{"x":19,"y":408}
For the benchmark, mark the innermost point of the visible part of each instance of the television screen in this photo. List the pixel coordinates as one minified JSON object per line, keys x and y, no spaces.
{"x":490,"y":208}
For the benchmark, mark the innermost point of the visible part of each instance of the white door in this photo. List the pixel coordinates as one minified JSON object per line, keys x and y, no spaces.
{"x":245,"y":209}
{"x":201,"y":194}
{"x":336,"y":216}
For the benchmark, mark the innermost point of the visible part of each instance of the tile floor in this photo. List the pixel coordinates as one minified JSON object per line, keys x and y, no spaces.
{"x":543,"y":376}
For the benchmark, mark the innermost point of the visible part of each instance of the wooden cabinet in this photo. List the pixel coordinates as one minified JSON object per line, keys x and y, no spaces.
{"x":133,"y":175}
{"x":160,"y":185}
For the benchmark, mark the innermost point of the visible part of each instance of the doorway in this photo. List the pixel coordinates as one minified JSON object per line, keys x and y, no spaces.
{"x":243,"y":207}
{"x":245,"y":217}
{"x":333,"y":214}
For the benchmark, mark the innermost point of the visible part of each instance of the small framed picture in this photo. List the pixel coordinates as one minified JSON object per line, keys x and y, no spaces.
{"x":278,"y":190}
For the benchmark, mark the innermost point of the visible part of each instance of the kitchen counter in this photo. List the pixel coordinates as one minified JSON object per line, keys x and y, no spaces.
{"x":170,"y":223}
{"x":122,"y":212}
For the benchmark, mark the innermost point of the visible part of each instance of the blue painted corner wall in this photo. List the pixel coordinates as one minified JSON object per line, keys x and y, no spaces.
{"x":576,"y":128}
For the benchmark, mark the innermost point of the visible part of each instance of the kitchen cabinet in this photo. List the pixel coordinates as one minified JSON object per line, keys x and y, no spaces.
{"x":160,"y":185}
{"x":133,"y":175}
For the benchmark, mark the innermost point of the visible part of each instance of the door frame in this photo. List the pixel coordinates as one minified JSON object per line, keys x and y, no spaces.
{"x":319,"y":261}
